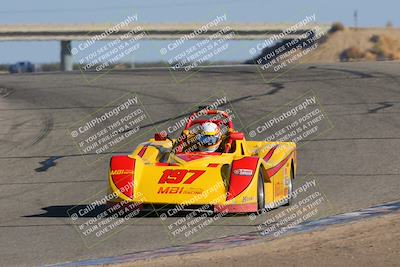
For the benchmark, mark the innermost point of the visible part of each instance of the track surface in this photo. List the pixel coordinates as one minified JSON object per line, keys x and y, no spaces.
{"x":356,"y":163}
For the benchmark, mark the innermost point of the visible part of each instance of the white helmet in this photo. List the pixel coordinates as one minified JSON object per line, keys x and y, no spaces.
{"x":209,"y":137}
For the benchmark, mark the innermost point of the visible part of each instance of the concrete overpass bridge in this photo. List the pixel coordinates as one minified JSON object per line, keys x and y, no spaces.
{"x":65,"y":33}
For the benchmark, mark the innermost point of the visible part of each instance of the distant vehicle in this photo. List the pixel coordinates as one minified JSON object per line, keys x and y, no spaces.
{"x":22,"y":66}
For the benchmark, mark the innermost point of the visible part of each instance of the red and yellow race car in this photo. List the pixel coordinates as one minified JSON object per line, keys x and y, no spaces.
{"x":240,"y":177}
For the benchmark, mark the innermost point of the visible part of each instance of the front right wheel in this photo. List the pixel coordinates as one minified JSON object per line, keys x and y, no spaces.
{"x":290,"y":187}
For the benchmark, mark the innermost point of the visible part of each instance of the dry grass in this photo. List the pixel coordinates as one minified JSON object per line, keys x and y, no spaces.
{"x":385,"y":48}
{"x":336,"y":26}
{"x":361,"y":44}
{"x":352,"y":53}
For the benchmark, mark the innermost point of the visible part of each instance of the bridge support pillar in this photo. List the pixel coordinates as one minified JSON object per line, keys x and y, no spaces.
{"x":66,"y":56}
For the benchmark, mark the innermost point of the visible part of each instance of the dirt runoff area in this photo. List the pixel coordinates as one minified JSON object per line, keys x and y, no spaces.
{"x":365,"y":44}
{"x":371,"y":242}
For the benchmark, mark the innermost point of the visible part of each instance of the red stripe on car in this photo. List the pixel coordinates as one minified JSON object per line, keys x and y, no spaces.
{"x":213,"y":165}
{"x":272,"y":171}
{"x":270,"y":152}
{"x":142,"y":151}
{"x":196,"y":155}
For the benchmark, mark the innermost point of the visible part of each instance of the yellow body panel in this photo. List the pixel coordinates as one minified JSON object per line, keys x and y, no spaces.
{"x":211,"y":186}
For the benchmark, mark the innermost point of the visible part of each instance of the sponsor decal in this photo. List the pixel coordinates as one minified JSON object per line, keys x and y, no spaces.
{"x":178,"y":190}
{"x":243,"y":172}
{"x":121,"y":172}
{"x":287,"y":181}
{"x":248,"y":199}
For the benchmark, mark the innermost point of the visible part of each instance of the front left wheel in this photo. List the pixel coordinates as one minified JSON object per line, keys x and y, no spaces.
{"x":260,"y":192}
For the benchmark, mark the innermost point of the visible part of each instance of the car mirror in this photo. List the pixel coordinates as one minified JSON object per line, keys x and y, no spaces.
{"x":160,"y":137}
{"x":236,"y":136}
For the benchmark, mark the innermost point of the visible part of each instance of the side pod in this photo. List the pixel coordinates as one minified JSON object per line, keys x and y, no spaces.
{"x":242,"y":174}
{"x":122,"y":174}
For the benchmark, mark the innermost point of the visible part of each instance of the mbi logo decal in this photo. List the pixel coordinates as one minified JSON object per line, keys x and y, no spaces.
{"x":177,"y":177}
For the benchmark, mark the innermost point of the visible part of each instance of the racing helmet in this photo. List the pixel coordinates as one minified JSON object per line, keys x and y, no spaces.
{"x":209,"y":137}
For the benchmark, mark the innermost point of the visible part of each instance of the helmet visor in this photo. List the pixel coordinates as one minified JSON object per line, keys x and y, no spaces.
{"x":207,"y":140}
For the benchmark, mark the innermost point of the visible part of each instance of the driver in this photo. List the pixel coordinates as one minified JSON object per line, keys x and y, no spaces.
{"x":209,"y":139}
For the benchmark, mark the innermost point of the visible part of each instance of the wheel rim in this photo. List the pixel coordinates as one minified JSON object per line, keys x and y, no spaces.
{"x":290,"y":187}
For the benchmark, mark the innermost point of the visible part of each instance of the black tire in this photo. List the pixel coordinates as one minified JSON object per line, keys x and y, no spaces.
{"x":290,"y":187}
{"x":260,"y":192}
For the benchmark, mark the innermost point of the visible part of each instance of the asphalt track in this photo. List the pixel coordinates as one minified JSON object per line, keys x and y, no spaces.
{"x":43,"y":175}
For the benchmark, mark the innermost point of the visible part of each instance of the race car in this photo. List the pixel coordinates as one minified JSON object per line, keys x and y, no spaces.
{"x":241,"y":176}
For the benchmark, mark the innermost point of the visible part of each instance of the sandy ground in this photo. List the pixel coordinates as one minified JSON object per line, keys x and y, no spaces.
{"x":341,"y":40}
{"x":373,"y":242}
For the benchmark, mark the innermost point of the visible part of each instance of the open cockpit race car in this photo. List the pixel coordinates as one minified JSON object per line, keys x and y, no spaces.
{"x":239,"y":177}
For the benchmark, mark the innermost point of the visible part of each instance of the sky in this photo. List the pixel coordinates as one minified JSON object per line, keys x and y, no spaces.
{"x":371,"y":13}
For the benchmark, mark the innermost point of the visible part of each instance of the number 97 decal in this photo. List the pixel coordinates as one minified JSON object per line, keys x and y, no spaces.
{"x":177,"y":176}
